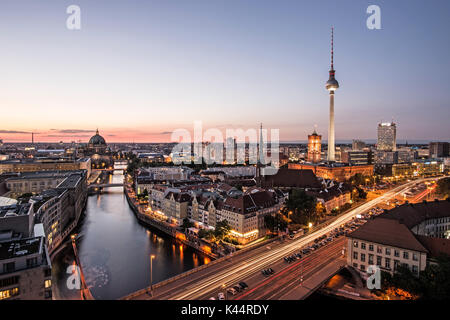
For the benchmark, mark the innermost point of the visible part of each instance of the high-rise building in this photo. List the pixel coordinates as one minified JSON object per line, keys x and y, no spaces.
{"x":438,"y":149}
{"x":332,"y":85}
{"x":314,"y":147}
{"x":387,"y":136}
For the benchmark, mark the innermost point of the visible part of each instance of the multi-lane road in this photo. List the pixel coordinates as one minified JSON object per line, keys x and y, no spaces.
{"x":247,"y":266}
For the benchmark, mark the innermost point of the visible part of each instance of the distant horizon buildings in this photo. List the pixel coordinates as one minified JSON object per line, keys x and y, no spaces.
{"x":439,"y":149}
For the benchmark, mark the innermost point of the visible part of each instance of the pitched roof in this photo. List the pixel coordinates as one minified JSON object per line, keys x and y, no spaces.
{"x":249,"y":202}
{"x":436,"y":246}
{"x":331,"y":192}
{"x":413,"y":214}
{"x":388,"y":232}
{"x":292,"y":178}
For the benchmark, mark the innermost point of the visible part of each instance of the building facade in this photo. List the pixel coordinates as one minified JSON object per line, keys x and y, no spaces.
{"x":387,"y":137}
{"x":314,"y":148}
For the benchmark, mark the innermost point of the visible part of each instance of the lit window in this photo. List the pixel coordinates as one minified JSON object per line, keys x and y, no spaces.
{"x":48,"y":283}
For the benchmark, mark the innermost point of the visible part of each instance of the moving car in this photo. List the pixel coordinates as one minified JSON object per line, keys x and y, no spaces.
{"x":232,"y":291}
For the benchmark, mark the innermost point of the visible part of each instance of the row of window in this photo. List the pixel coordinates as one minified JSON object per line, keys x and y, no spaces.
{"x":387,"y":251}
{"x":5,"y":294}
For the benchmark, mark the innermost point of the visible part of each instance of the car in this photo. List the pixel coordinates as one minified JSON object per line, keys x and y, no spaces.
{"x":243,"y":285}
{"x":264,"y":272}
{"x":221,"y":296}
{"x":271,"y":271}
{"x":232,"y":291}
{"x":237,"y":288}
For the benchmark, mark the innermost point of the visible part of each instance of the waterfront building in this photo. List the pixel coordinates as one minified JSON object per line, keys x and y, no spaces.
{"x":175,"y":206}
{"x":204,"y":208}
{"x":387,"y":136}
{"x":60,"y":209}
{"x":246,"y":213}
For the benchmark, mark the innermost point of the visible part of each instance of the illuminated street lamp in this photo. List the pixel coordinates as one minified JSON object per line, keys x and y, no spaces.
{"x":152,"y":256}
{"x":226,"y":292}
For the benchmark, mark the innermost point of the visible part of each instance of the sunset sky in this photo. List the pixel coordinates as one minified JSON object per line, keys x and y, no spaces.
{"x":137,"y":69}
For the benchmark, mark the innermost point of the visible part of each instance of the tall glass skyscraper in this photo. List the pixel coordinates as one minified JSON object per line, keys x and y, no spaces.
{"x":387,"y":137}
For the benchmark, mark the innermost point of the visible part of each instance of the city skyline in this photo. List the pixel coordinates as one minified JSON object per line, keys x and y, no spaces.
{"x":163,"y":77}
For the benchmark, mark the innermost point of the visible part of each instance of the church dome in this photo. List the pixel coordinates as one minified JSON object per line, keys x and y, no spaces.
{"x":97,"y":139}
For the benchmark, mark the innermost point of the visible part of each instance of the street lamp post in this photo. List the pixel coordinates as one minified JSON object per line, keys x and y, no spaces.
{"x":226,"y":292}
{"x":152,"y":256}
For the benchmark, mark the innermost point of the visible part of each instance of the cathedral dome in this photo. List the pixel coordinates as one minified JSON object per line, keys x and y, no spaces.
{"x":97,"y":139}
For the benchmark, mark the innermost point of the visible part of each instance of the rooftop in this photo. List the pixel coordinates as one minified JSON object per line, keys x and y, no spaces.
{"x":388,"y":232}
{"x":41,"y":175}
{"x":17,"y":248}
{"x":14,"y":210}
{"x":413,"y":214}
{"x":292,"y":178}
{"x":71,"y":181}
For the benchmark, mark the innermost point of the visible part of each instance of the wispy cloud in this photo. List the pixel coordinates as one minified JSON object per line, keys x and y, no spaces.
{"x":13,"y":131}
{"x":72,"y":131}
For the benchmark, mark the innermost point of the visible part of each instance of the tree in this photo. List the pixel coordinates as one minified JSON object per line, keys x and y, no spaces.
{"x":186,"y":224}
{"x":205,"y":233}
{"x":432,"y":284}
{"x":300,"y":207}
{"x":133,"y":166}
{"x":222,"y":229}
{"x":275,"y":222}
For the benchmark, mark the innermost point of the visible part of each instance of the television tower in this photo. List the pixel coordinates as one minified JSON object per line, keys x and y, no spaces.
{"x":332,"y":85}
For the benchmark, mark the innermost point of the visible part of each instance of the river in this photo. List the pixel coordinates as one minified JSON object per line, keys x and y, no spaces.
{"x":115,"y":250}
